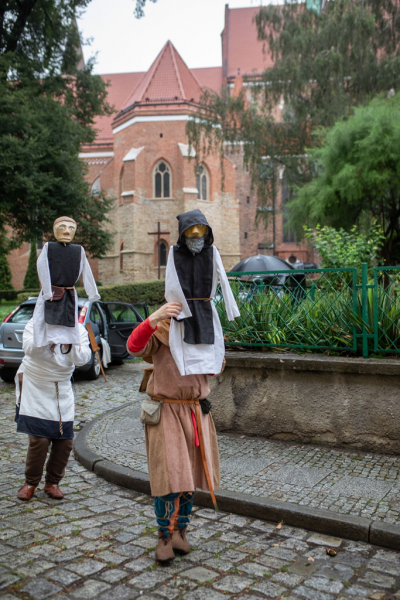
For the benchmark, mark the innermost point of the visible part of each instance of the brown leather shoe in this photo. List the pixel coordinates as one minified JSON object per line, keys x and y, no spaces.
{"x":179,"y":541}
{"x":164,"y":551}
{"x":26,"y":492}
{"x":53,"y":491}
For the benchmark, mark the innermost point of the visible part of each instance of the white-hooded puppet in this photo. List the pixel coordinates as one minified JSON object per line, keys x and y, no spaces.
{"x":193,"y":270}
{"x":60,"y":264}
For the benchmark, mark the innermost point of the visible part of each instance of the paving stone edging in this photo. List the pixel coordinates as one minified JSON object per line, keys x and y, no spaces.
{"x":314,"y":519}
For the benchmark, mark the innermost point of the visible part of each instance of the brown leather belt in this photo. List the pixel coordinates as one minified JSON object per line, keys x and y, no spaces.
{"x":201,"y":440}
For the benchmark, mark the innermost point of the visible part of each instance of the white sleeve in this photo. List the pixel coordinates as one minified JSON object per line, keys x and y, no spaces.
{"x":173,"y":290}
{"x":28,"y":345}
{"x":89,"y":282}
{"x":81,"y":353}
{"x":232,"y":310}
{"x":44,"y":273}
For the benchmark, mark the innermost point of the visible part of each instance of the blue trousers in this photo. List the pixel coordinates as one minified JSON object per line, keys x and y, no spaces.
{"x":171,"y":509}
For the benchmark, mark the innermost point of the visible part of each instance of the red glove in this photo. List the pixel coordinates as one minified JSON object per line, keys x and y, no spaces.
{"x":140,"y":336}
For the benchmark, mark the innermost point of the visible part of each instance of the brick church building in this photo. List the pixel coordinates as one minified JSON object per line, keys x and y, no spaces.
{"x":141,"y":158}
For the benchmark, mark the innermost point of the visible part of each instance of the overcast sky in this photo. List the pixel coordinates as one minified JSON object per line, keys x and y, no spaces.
{"x":124,"y":43}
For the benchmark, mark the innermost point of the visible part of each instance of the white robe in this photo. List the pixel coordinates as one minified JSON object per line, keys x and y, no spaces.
{"x":43,"y":333}
{"x":196,"y":359}
{"x":38,"y":412}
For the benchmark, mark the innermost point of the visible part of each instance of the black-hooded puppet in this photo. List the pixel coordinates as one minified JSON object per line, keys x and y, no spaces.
{"x":195,"y":274}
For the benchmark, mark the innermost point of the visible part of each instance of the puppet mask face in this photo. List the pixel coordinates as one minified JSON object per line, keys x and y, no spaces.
{"x":196,"y":231}
{"x":64,"y":231}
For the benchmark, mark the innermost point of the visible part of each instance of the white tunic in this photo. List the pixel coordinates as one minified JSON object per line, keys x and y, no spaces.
{"x":196,"y":359}
{"x":38,"y":412}
{"x":55,"y":334}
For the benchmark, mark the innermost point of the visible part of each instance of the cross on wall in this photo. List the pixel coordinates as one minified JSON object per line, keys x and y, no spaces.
{"x":158,"y":233}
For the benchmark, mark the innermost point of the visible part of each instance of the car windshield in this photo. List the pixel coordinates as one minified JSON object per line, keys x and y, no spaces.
{"x":23,"y":314}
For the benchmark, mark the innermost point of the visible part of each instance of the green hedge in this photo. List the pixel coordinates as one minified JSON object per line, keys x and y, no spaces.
{"x":151,"y":292}
{"x":13,"y":294}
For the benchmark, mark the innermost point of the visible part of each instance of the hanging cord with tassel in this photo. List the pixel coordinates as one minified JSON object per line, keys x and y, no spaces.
{"x":59,"y":411}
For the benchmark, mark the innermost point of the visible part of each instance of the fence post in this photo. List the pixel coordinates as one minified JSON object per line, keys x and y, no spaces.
{"x":364,"y":307}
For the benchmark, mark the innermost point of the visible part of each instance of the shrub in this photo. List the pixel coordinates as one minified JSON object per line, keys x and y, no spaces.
{"x":151,"y":292}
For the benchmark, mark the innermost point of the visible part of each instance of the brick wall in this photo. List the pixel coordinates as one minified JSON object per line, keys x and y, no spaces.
{"x":136,"y":215}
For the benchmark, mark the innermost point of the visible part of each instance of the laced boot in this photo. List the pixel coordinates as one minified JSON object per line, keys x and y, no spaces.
{"x":179,"y":541}
{"x":164,"y":551}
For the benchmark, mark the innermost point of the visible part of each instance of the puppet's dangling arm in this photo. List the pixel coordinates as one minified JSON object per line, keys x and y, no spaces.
{"x":173,"y":290}
{"x":89,"y":282}
{"x":44,"y":273}
{"x":232,"y":310}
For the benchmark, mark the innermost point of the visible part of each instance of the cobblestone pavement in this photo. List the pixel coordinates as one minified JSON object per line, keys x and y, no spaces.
{"x":343,"y":481}
{"x":98,"y":542}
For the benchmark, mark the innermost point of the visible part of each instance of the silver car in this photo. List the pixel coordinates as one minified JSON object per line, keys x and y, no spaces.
{"x":113,"y":321}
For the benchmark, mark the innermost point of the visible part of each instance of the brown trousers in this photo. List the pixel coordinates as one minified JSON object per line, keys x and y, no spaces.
{"x":36,"y":457}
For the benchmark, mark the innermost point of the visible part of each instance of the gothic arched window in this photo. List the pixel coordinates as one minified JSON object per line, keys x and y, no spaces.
{"x":162,"y":180}
{"x":121,"y":181}
{"x":96,"y":187}
{"x":202,"y":183}
{"x":121,"y":257}
{"x":163,"y":250}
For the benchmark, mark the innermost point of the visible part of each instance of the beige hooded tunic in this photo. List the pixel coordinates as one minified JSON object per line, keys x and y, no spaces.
{"x":174,"y":461}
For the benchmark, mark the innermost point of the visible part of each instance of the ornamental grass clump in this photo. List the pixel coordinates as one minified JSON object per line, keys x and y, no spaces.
{"x":322,"y":314}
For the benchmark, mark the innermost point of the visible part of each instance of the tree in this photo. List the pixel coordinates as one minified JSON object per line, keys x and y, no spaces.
{"x":48,"y":103}
{"x":356,"y":174}
{"x":5,"y":273}
{"x":31,"y":280}
{"x":338,"y":248}
{"x":139,"y":8}
{"x":325,"y":63}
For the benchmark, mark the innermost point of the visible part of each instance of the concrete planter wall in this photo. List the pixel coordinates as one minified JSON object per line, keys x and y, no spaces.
{"x":311,"y":398}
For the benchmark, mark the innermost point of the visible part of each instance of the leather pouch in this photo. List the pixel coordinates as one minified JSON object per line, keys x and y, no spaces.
{"x":58,"y":293}
{"x":151,"y":412}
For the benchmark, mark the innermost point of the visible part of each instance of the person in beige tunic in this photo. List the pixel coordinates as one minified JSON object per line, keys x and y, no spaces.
{"x":174,"y":454}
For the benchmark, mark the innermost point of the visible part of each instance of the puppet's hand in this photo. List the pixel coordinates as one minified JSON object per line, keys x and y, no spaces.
{"x":168,"y":311}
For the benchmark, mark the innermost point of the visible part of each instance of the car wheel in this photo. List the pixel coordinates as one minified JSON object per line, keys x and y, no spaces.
{"x":8,"y":374}
{"x":95,"y":370}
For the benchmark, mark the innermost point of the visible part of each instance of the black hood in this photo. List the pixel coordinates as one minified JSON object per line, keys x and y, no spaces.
{"x":193,"y":217}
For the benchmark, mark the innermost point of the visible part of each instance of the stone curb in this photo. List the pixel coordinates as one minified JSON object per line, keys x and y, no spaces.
{"x":259,"y":507}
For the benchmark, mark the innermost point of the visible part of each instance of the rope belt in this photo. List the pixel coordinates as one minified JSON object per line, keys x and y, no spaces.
{"x":205,"y":299}
{"x":201,"y":440}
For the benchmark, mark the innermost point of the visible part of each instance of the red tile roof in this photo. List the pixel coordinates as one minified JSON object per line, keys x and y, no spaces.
{"x":243,"y":50}
{"x":169,"y":79}
{"x":209,"y":77}
{"x":121,"y":85}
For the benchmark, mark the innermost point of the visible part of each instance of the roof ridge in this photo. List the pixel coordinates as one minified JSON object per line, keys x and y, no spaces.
{"x":178,"y":76}
{"x":154,"y":67}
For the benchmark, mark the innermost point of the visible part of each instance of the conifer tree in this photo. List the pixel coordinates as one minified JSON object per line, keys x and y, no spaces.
{"x":31,"y":280}
{"x":5,"y":273}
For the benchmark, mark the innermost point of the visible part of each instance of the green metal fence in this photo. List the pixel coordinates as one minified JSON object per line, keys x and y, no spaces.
{"x":337,"y":310}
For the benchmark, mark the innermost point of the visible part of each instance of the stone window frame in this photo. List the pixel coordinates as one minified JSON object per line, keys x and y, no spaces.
{"x":95,"y":190}
{"x":165,"y":244}
{"x":155,"y":172}
{"x":199,"y":182}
